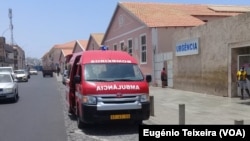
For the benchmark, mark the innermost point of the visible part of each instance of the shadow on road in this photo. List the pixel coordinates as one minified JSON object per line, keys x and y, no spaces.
{"x":111,"y":129}
{"x":6,"y":101}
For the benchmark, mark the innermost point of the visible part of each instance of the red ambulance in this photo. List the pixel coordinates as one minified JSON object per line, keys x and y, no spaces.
{"x":107,"y":86}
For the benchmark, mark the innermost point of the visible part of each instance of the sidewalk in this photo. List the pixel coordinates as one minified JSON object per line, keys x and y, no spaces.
{"x":199,"y":108}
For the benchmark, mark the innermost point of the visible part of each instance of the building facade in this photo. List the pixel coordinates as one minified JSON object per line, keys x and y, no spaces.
{"x":6,"y":53}
{"x":19,"y":57}
{"x":145,"y":30}
{"x":223,"y":46}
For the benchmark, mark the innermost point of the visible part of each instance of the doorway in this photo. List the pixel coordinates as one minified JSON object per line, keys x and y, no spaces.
{"x":165,"y":65}
{"x":244,"y":60}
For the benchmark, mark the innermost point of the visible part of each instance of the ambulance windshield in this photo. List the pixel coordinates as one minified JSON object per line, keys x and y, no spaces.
{"x":112,"y":72}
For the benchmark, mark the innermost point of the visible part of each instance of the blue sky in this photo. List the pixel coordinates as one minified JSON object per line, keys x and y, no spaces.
{"x":40,"y":24}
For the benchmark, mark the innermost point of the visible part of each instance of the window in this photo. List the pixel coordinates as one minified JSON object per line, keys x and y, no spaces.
{"x":122,"y":46}
{"x":121,"y":20}
{"x":115,"y":47}
{"x":130,"y":47}
{"x":143,"y":49}
{"x":79,"y":70}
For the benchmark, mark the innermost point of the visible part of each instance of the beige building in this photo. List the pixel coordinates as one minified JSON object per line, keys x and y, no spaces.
{"x":52,"y":57}
{"x":95,"y":40}
{"x":201,"y":46}
{"x":145,"y":30}
{"x":6,"y":53}
{"x":80,"y":45}
{"x":59,"y":53}
{"x":11,"y":55}
{"x":19,"y":57}
{"x":64,"y":57}
{"x":222,"y":47}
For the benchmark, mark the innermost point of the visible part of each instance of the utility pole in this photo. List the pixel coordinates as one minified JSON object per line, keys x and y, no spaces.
{"x":14,"y":54}
{"x":11,"y":27}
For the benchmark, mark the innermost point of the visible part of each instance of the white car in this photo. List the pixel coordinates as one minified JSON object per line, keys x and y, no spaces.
{"x":8,"y":87}
{"x":7,"y":69}
{"x":21,"y":75}
{"x":33,"y":72}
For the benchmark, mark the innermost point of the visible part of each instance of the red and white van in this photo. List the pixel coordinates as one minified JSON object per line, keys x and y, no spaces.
{"x":107,"y":86}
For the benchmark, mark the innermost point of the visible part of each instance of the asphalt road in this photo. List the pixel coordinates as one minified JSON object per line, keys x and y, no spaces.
{"x":41,"y":115}
{"x":37,"y":116}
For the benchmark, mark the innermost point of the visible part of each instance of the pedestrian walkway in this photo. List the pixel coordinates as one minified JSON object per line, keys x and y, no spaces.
{"x":199,"y":108}
{"x":58,"y":77}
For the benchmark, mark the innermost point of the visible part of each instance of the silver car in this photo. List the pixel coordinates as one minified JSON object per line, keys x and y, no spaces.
{"x":21,"y":75}
{"x":8,"y":87}
{"x":7,"y":69}
{"x":33,"y":71}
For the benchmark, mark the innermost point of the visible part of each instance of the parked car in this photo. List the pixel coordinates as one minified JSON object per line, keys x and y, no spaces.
{"x":7,"y":69}
{"x":21,"y":75}
{"x":64,"y":76}
{"x":8,"y":87}
{"x":33,"y":72}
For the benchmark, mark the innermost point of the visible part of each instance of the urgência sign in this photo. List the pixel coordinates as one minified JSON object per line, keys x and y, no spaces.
{"x":187,"y":47}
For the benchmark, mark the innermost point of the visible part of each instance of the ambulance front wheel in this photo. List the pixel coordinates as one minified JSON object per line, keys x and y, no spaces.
{"x":138,"y":122}
{"x":80,"y":124}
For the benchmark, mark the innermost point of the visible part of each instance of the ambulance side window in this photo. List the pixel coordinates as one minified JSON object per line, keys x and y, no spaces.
{"x":69,"y":71}
{"x":79,"y":71}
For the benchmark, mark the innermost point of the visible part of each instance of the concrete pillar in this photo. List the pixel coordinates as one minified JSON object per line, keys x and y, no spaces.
{"x":181,"y":114}
{"x":238,"y":122}
{"x":152,"y":112}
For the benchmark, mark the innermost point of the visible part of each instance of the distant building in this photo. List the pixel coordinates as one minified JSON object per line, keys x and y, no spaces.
{"x":6,"y":53}
{"x":19,"y":57}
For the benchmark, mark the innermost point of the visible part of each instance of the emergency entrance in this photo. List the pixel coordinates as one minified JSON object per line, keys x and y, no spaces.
{"x":244,"y":60}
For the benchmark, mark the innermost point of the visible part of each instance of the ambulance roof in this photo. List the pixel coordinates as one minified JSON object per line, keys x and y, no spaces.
{"x":108,"y":56}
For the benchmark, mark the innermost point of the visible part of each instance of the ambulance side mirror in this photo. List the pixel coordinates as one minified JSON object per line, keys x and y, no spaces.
{"x":148,"y":78}
{"x":77,"y":79}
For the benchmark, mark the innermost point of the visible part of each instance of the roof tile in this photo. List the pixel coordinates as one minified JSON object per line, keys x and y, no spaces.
{"x":164,"y":14}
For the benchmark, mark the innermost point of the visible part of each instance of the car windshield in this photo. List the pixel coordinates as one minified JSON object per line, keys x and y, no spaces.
{"x":112,"y":72}
{"x":5,"y":78}
{"x":19,"y":72}
{"x":5,"y":70}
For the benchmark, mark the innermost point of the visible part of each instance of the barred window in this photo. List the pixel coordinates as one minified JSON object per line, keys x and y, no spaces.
{"x":130,"y":47}
{"x":143,"y":49}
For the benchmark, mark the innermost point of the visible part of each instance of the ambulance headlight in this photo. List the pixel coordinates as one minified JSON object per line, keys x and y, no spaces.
{"x":144,"y":98}
{"x":89,"y":100}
